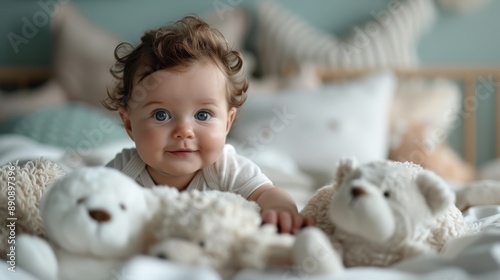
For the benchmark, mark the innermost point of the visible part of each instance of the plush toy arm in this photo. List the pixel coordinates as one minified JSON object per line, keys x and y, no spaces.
{"x":313,"y":253}
{"x":265,"y":249}
{"x":478,"y":193}
{"x":36,"y":256}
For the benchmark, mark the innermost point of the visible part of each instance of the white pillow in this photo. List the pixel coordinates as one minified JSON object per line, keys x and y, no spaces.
{"x":318,"y":127}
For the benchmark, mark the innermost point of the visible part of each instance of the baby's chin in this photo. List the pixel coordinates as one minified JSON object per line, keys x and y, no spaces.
{"x":166,"y":174}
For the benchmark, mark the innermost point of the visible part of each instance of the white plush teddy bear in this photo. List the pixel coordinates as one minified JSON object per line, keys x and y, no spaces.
{"x":223,"y":231}
{"x":94,"y":219}
{"x":379,"y":213}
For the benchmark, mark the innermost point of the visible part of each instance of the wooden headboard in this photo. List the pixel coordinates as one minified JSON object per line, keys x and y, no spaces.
{"x":24,"y":77}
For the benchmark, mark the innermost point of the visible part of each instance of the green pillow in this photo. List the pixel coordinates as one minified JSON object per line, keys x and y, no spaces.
{"x":74,"y":125}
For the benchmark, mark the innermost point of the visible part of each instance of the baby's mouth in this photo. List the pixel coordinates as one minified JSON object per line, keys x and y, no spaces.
{"x":182,"y":153}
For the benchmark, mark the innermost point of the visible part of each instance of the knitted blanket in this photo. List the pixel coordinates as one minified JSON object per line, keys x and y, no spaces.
{"x":21,"y":187}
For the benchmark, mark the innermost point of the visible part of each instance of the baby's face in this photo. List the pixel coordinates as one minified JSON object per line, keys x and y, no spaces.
{"x":179,"y":120}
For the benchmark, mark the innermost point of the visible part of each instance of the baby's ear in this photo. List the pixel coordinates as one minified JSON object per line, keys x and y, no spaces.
{"x":345,"y":166}
{"x":231,"y":115}
{"x":126,"y":121}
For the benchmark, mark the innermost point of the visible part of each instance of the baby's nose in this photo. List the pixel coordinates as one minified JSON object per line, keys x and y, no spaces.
{"x":183,"y":130}
{"x":100,"y":215}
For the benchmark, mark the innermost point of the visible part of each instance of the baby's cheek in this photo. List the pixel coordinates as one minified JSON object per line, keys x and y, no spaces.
{"x":215,"y":140}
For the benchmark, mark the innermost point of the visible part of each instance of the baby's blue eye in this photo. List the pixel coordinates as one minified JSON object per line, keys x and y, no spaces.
{"x":202,"y":115}
{"x":160,"y":115}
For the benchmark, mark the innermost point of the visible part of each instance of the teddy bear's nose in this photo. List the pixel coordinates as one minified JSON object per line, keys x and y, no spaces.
{"x":100,"y":215}
{"x":357,"y":191}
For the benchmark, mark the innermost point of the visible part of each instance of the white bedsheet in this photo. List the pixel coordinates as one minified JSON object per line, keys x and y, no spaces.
{"x":470,"y":257}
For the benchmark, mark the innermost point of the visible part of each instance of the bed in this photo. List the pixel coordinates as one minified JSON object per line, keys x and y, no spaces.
{"x":344,"y":112}
{"x":477,"y":257}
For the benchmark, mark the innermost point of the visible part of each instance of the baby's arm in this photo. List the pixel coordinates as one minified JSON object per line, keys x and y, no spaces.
{"x":278,"y":208}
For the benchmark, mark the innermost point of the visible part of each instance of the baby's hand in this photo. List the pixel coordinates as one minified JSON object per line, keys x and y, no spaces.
{"x":286,"y":221}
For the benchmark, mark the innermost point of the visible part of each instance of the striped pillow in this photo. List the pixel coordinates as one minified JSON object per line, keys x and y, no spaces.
{"x":388,"y":40}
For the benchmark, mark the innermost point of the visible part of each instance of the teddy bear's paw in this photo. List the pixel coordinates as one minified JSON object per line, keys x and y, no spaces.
{"x":314,"y":254}
{"x":36,"y":257}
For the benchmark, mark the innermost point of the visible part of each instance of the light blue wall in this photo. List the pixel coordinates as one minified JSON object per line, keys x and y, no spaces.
{"x":455,"y":39}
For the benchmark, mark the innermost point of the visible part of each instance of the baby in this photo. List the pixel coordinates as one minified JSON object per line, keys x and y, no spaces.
{"x":177,"y":96}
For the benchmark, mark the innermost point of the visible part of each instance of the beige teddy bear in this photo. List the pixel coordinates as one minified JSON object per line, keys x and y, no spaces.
{"x":223,"y":231}
{"x":379,"y":213}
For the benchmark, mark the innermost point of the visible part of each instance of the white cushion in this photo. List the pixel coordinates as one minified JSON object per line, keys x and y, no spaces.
{"x":318,"y":127}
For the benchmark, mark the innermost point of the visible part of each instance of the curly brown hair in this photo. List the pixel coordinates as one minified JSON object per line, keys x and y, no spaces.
{"x":176,"y":47}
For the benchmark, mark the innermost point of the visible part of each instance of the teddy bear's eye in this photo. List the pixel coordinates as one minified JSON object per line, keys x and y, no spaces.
{"x":387,"y":194}
{"x":80,"y":200}
{"x":202,"y":244}
{"x":122,"y":206}
{"x":161,"y":256}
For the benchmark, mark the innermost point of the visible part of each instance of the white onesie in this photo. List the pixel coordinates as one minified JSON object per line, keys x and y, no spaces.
{"x":230,"y":173}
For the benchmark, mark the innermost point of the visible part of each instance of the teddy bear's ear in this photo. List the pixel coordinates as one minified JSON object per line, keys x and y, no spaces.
{"x":345,"y":166}
{"x":437,"y":193}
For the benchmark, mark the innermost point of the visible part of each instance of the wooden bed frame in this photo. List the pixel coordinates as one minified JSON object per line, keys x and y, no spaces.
{"x":468,"y":75}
